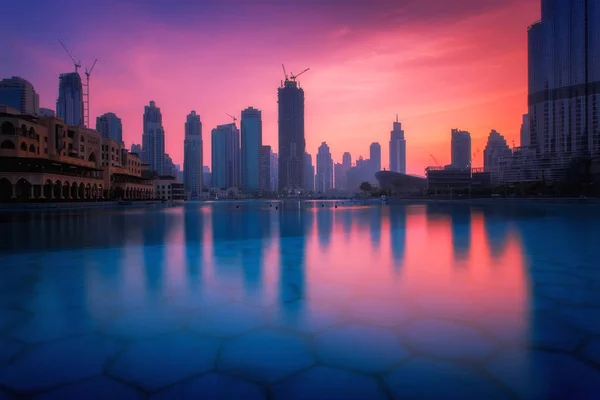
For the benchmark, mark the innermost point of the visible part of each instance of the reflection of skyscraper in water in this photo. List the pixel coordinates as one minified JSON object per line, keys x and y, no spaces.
{"x":461,"y":232}
{"x":155,"y":233}
{"x":347,"y":216}
{"x":397,"y":216}
{"x":193,"y":231}
{"x":375,"y":224}
{"x":496,"y":230}
{"x":256,"y":228}
{"x":324,"y":226}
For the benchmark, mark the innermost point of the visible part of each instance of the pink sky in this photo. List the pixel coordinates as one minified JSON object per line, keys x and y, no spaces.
{"x":437,"y":66}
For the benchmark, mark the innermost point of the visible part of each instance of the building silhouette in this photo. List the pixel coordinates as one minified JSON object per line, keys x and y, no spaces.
{"x":495,"y":151}
{"x":225,"y":156}
{"x":251,"y":128}
{"x":137,"y":149}
{"x":265,"y":169}
{"x":397,"y":148}
{"x":564,"y":72}
{"x":525,"y":137}
{"x":324,"y":177}
{"x":461,"y":149}
{"x":206,"y":176}
{"x":292,"y":145}
{"x":110,"y":126}
{"x":274,"y":171}
{"x":309,"y":173}
{"x":193,"y":173}
{"x":19,"y":94}
{"x":153,"y":139}
{"x":69,"y":105}
{"x":375,"y":156}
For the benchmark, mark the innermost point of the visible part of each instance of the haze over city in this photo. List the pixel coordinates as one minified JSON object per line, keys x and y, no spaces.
{"x":438,"y":64}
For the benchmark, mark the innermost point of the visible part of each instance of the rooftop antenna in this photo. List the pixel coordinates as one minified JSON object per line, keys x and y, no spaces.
{"x":86,"y":95}
{"x":77,"y":64}
{"x":232,"y":117}
{"x":396,"y":117}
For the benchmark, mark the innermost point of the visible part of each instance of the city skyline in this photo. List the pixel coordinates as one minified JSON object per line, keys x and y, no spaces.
{"x":351,"y":94}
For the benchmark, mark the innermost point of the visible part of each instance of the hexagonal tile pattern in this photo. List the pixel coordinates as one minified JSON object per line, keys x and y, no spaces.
{"x":265,"y":355}
{"x":326,"y":383}
{"x":380,"y":312}
{"x":226,"y":320}
{"x":537,"y":374}
{"x":50,"y":364}
{"x":154,"y":363}
{"x":213,"y":386}
{"x":304,"y":316}
{"x":146,"y":322}
{"x":8,"y":348}
{"x":421,"y":378}
{"x":585,"y":318}
{"x":446,"y":339}
{"x":55,"y":325}
{"x":591,"y":351}
{"x":100,"y":388}
{"x":358,"y":347}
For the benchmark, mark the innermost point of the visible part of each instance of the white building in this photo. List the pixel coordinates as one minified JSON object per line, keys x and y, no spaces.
{"x":193,"y":173}
{"x":19,"y":94}
{"x":324,"y":177}
{"x":168,"y":188}
{"x":397,"y":149}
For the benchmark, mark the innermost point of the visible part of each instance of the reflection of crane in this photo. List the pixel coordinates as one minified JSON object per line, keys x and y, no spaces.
{"x":86,"y":95}
{"x":232,"y":117}
{"x":293,"y":77}
{"x":75,"y":63}
{"x":434,"y":160}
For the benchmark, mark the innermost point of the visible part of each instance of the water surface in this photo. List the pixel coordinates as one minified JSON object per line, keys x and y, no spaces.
{"x":301,"y":301}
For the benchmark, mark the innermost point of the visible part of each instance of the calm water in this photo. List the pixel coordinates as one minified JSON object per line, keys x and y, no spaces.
{"x":243,"y":301}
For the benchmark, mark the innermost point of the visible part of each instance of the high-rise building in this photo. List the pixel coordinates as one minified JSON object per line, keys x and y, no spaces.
{"x":397,"y":148}
{"x":225,"y":156}
{"x":153,"y":139}
{"x":495,"y":150}
{"x":375,"y":156}
{"x":265,"y":169}
{"x":309,"y":173}
{"x":324,"y":177}
{"x":110,"y":126}
{"x":274,"y":172}
{"x":19,"y":94}
{"x":193,"y":175}
{"x":251,"y":128}
{"x":69,"y":105}
{"x":292,"y":145}
{"x":564,"y":76}
{"x":461,"y":149}
{"x":525,"y":141}
{"x":206,"y":176}
{"x":137,"y":149}
{"x":169,"y":168}
{"x":347,"y":160}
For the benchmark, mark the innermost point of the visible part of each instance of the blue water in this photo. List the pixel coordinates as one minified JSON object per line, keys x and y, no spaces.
{"x":255,"y":300}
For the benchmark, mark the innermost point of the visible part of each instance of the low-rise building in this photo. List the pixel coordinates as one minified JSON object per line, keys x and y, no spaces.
{"x":168,"y":188}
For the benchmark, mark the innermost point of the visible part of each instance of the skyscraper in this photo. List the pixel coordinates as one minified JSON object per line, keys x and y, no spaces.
{"x":69,"y":105}
{"x":525,"y":140}
{"x":265,"y":168}
{"x":19,"y":94}
{"x":136,"y":148}
{"x":309,"y":173}
{"x":564,"y":71}
{"x":347,"y":160}
{"x":461,"y":149}
{"x":375,"y":156}
{"x":225,"y":155}
{"x":251,"y":128}
{"x":397,"y":149}
{"x":290,"y":99}
{"x":206,"y":176}
{"x":495,"y":150}
{"x":153,"y":139}
{"x":324,"y":178}
{"x":193,"y":175}
{"x":274,"y":171}
{"x":110,"y":126}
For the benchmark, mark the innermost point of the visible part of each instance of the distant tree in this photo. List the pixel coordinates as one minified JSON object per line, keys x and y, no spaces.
{"x":365,"y":187}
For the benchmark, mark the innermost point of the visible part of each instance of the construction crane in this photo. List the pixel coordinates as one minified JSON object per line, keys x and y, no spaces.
{"x":86,"y":95}
{"x":77,"y":64}
{"x":293,"y":77}
{"x":232,"y":117}
{"x":284,"y":72}
{"x":434,"y":160}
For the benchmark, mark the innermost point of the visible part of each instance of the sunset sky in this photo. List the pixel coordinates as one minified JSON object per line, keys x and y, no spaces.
{"x":438,"y":64}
